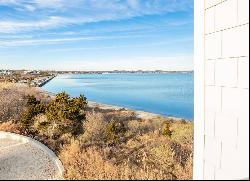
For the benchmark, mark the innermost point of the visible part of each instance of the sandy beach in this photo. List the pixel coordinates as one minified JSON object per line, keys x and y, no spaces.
{"x":139,"y":114}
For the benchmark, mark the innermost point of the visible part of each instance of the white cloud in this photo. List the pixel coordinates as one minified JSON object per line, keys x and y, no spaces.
{"x":121,"y":46}
{"x":50,"y":3}
{"x":57,"y":13}
{"x":50,"y":22}
{"x":12,"y":43}
{"x":30,"y":42}
{"x":133,"y":3}
{"x":30,"y":8}
{"x":6,"y":2}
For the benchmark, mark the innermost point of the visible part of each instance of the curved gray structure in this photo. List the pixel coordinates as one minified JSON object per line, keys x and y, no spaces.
{"x":22,"y":158}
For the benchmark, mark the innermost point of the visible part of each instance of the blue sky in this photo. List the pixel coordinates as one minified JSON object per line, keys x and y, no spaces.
{"x":96,"y":34}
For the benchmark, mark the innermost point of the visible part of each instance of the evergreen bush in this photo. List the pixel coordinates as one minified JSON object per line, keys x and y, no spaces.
{"x":66,"y":113}
{"x":115,"y":131}
{"x":166,"y":130}
{"x":33,"y":108}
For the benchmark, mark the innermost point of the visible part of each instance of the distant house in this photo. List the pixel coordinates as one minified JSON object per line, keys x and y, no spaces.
{"x":27,"y":72}
{"x":5,"y":72}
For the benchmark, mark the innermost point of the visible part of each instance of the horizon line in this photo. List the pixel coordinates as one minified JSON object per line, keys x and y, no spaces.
{"x":99,"y":70}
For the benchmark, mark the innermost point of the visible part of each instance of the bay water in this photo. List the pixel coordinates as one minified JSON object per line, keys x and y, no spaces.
{"x":169,"y":94}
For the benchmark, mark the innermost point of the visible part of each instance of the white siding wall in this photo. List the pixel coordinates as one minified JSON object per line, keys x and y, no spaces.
{"x":226,"y":132}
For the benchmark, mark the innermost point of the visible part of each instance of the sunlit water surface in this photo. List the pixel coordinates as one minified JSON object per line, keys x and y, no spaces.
{"x":170,"y":94}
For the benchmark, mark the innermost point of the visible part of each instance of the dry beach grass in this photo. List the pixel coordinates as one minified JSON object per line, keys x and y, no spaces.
{"x":114,"y":144}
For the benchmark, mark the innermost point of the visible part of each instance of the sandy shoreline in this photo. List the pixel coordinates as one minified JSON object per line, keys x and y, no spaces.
{"x":139,"y":114}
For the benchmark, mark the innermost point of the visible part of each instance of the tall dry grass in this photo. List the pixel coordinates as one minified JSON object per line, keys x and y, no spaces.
{"x":11,"y":127}
{"x":98,"y":163}
{"x":13,"y":100}
{"x":145,"y":152}
{"x":94,"y":128}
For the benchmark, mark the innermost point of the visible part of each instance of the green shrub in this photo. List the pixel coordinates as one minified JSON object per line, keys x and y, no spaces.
{"x":115,"y":131}
{"x":63,"y":115}
{"x":66,"y":113}
{"x":63,"y":107}
{"x":33,"y":108}
{"x":166,"y":130}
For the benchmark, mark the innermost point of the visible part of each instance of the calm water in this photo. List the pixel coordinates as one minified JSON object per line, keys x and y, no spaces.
{"x":170,"y":94}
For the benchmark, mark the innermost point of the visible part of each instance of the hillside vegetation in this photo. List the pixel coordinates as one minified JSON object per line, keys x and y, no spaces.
{"x":93,"y":143}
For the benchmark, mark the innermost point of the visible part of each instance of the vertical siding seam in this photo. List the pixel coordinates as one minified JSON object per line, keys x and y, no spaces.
{"x":214,"y":19}
{"x":204,"y":75}
{"x":204,"y":70}
{"x":214,"y":125}
{"x":221,"y":37}
{"x":221,"y":147}
{"x":214,"y":173}
{"x":221,"y":99}
{"x":215,"y":72}
{"x":204,"y":160}
{"x":237,"y":12}
{"x":237,"y":139}
{"x":237,"y":72}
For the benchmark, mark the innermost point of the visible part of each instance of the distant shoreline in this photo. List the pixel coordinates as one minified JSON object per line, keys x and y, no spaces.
{"x":122,"y":72}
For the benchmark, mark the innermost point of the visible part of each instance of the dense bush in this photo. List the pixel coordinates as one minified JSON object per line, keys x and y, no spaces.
{"x":67,"y":114}
{"x":115,"y":131}
{"x":63,"y":107}
{"x":62,"y":115}
{"x":34,"y":107}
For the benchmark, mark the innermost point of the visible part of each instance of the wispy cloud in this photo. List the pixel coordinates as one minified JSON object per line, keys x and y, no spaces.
{"x":12,"y":43}
{"x":58,"y":13}
{"x":139,"y":45}
{"x":32,"y":5}
{"x":144,"y":34}
{"x":15,"y":26}
{"x":31,"y":42}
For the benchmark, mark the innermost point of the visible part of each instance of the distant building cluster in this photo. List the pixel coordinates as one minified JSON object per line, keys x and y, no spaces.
{"x":119,"y":71}
{"x":6,"y":72}
{"x":34,"y":78}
